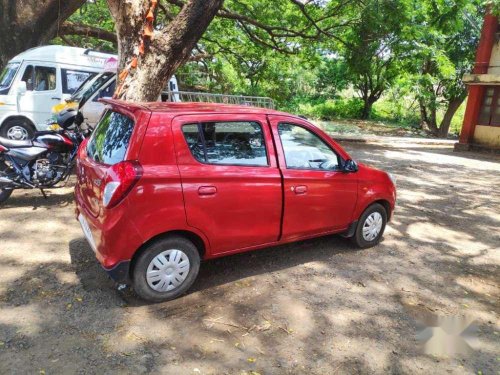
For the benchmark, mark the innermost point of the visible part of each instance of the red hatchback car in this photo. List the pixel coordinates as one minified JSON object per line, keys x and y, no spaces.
{"x":162,"y":186}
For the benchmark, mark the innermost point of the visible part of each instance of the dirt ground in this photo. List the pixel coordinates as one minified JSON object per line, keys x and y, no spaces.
{"x":316,"y":307}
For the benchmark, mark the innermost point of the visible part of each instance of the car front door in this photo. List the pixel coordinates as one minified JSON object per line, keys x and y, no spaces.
{"x":230,"y":179}
{"x":319,"y":197}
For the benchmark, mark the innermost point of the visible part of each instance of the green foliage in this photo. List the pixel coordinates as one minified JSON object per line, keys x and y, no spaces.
{"x":94,"y":13}
{"x":401,"y":55}
{"x":332,"y":109}
{"x":442,"y":41}
{"x":494,"y":6}
{"x":372,"y":48}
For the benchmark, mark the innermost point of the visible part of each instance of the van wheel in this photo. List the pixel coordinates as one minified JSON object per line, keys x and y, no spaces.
{"x":166,"y":269}
{"x":17,"y":129}
{"x":371,"y":226}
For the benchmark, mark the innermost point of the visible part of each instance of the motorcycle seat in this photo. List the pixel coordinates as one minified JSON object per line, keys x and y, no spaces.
{"x":11,"y":143}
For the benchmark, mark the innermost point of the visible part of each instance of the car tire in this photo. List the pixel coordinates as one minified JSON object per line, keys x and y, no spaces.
{"x":17,"y":129}
{"x":160,"y":273}
{"x":371,"y":226}
{"x":4,"y":193}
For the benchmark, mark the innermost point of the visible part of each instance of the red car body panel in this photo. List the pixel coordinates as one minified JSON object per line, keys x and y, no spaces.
{"x":216,"y":197}
{"x":229,"y":208}
{"x":315,"y":201}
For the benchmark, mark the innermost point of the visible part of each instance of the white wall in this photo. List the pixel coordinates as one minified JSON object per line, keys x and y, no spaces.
{"x":495,"y":60}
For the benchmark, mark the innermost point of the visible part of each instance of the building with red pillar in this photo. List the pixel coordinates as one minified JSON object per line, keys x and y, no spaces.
{"x":481,"y":126}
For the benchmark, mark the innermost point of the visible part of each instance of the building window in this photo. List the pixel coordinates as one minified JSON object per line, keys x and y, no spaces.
{"x":490,"y":108}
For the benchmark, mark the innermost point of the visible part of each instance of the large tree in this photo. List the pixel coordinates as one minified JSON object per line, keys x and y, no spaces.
{"x":146,"y":63}
{"x":372,"y":49}
{"x":149,"y":56}
{"x":30,"y":23}
{"x":442,"y":45}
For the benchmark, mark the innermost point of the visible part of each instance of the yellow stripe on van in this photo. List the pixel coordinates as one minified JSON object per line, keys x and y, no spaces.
{"x":59,"y":107}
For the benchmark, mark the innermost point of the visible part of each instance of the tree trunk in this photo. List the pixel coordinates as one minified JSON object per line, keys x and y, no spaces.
{"x":367,"y":107}
{"x":424,"y":119}
{"x":30,"y":23}
{"x":453,"y":106}
{"x":432,"y":123}
{"x":428,"y":117}
{"x":164,"y":53}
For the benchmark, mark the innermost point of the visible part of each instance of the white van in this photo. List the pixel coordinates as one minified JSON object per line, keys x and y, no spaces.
{"x":103,"y":85}
{"x":37,"y":79}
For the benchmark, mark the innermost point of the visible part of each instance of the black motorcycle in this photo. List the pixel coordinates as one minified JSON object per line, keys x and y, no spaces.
{"x":43,"y":161}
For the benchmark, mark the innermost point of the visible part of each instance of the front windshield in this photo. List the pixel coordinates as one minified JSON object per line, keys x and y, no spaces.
{"x":90,"y":86}
{"x":8,"y":74}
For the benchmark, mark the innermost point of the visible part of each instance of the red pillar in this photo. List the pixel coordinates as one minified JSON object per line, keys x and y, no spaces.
{"x":483,"y":56}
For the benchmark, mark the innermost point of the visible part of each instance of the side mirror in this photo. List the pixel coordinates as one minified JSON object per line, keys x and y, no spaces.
{"x":21,"y":88}
{"x":350,"y":166}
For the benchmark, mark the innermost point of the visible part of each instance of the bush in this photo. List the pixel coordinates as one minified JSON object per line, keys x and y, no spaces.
{"x":395,"y":111}
{"x":332,"y":109}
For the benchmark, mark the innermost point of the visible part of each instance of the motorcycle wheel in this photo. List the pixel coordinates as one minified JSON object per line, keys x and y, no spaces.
{"x":4,"y":193}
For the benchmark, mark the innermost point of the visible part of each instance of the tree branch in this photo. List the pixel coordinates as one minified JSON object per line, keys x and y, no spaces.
{"x":70,"y":28}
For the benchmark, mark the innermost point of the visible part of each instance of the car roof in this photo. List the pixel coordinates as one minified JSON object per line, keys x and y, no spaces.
{"x":193,"y":107}
{"x":64,"y":55}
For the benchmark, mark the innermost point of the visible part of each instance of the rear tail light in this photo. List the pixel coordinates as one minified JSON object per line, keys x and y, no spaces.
{"x":2,"y":149}
{"x":120,"y":179}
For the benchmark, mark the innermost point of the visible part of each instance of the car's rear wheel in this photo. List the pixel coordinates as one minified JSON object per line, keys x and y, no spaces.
{"x":166,"y":269}
{"x":371,"y":226}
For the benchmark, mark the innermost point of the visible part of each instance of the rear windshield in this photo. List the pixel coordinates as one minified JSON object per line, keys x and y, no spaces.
{"x":110,"y":139}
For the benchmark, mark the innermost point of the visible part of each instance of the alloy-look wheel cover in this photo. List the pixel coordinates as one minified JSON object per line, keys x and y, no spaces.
{"x":168,"y":270}
{"x":17,"y":133}
{"x":372,"y":226}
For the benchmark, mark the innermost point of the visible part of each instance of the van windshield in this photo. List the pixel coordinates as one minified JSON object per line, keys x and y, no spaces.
{"x":8,"y":75}
{"x":90,"y":86}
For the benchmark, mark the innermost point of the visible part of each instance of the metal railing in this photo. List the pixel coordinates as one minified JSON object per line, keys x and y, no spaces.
{"x":188,"y":96}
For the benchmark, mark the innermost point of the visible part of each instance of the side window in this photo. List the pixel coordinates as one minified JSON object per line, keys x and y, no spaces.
{"x":305,"y":150}
{"x":227,"y":143}
{"x":28,"y":77}
{"x":44,"y":78}
{"x":72,"y":79}
{"x":106,"y":92}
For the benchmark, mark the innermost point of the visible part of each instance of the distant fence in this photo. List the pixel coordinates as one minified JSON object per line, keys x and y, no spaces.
{"x":187,"y":96}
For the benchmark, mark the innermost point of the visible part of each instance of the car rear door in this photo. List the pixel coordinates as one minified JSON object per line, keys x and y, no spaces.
{"x":230,"y":179}
{"x":319,"y":197}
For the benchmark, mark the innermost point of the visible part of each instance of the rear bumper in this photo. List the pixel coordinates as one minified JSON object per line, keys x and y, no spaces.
{"x":115,"y":238}
{"x":120,"y":273}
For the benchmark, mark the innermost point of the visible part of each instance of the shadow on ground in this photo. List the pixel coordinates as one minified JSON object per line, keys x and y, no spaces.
{"x":315,"y":307}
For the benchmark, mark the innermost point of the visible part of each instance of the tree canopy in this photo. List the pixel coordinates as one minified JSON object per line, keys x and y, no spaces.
{"x":334,"y":55}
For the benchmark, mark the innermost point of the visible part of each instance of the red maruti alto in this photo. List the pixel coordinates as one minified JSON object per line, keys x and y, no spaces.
{"x":162,"y":186}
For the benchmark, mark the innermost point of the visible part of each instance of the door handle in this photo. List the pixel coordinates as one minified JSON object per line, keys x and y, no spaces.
{"x":301,"y":189}
{"x":56,"y":98}
{"x":207,"y":190}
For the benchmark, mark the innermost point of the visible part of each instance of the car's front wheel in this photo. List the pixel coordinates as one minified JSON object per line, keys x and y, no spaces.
{"x":166,"y":269}
{"x":371,"y":226}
